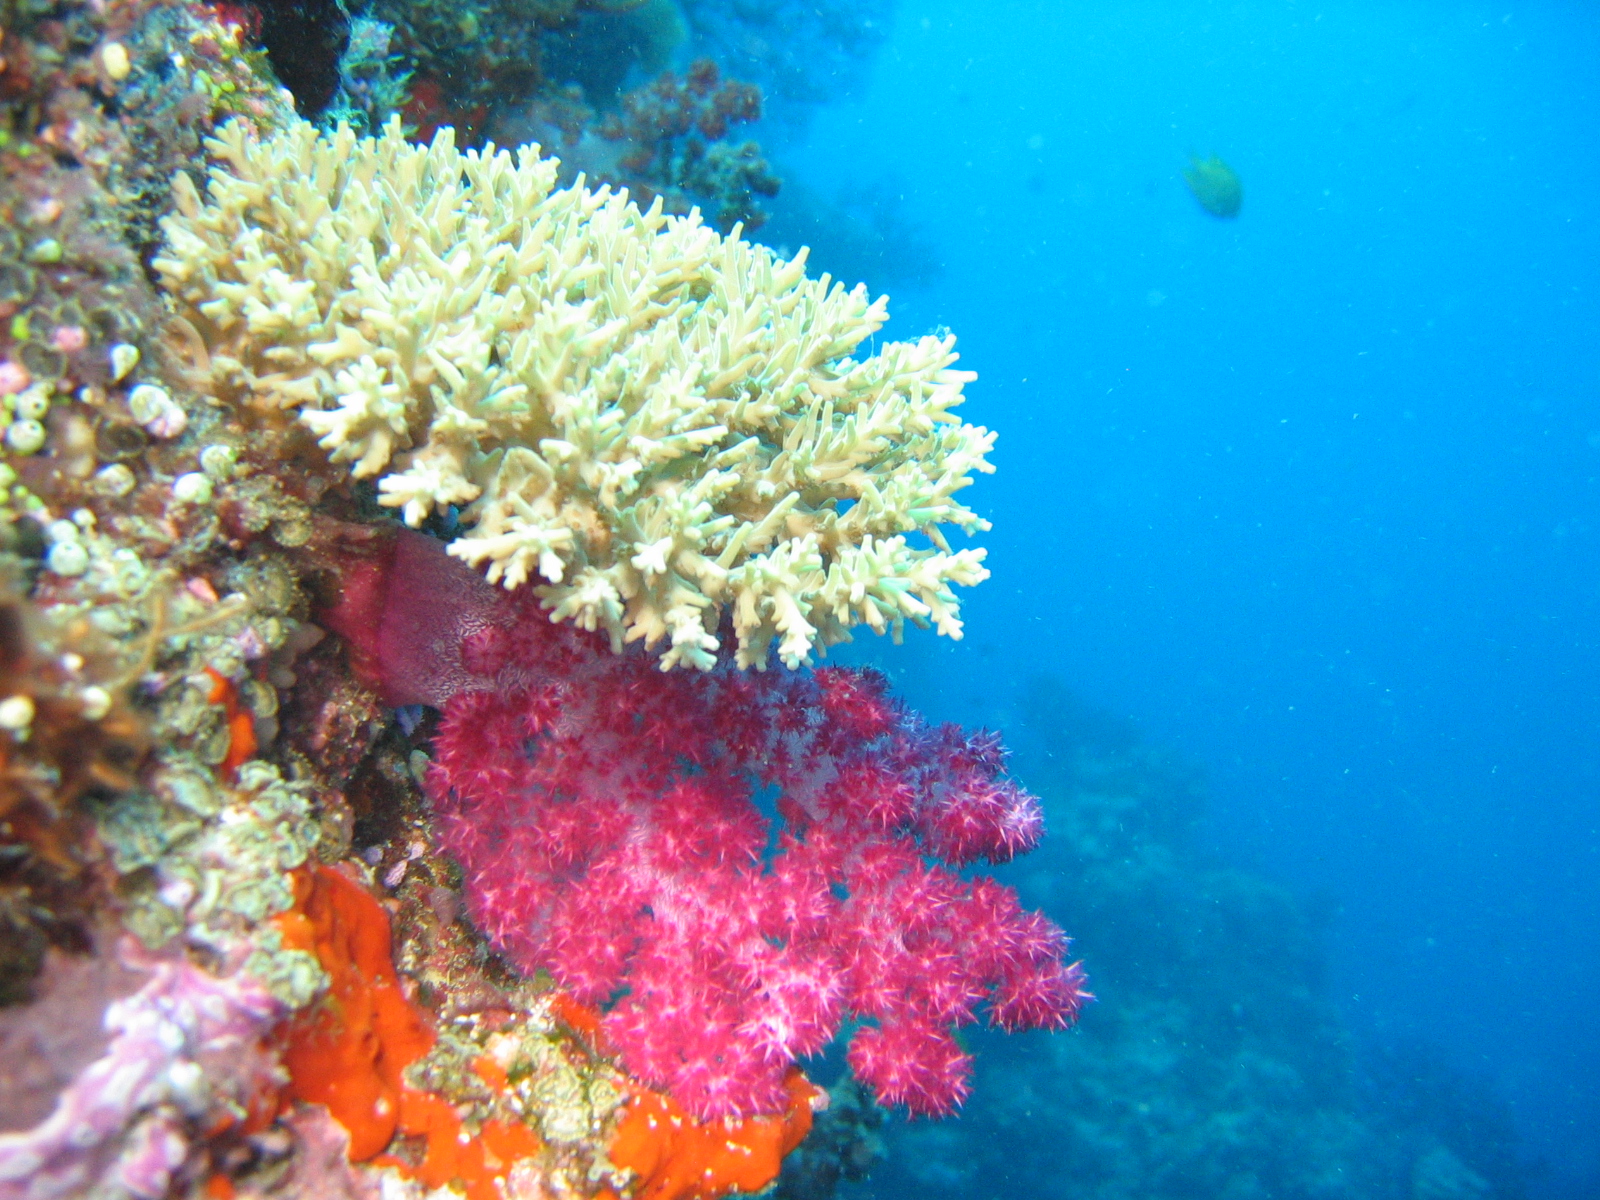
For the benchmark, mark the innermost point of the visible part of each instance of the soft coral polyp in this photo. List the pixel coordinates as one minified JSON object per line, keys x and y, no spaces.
{"x":611,"y":822}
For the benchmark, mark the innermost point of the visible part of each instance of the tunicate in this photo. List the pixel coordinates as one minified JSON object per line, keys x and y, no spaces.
{"x":33,"y":403}
{"x":217,"y":460}
{"x":146,"y":402}
{"x":115,"y":480}
{"x":68,"y":558}
{"x":25,"y":437}
{"x":96,"y":702}
{"x":114,"y":58}
{"x":16,"y":713}
{"x":191,"y":488}
{"x":156,"y":411}
{"x":124,"y":358}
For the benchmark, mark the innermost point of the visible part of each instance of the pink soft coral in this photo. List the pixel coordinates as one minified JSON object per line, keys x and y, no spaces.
{"x":734,"y":864}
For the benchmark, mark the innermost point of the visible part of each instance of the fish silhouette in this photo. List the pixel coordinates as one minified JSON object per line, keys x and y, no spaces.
{"x":1215,"y":185}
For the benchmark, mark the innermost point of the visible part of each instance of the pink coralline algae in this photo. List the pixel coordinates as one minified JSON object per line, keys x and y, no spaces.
{"x":731,"y":866}
{"x":185,"y":1050}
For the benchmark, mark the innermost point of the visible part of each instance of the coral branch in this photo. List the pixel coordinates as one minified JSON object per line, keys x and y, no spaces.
{"x":651,"y":425}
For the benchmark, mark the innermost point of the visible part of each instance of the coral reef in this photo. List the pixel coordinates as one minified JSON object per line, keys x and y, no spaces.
{"x":305,"y":43}
{"x":47,"y":1042}
{"x":185,"y":1060}
{"x":106,"y":574}
{"x":609,"y":45}
{"x":799,"y":52}
{"x":483,"y":52}
{"x":237,"y":958}
{"x":69,"y":737}
{"x":554,"y":73}
{"x":357,"y":1051}
{"x":670,"y":138}
{"x":71,"y":194}
{"x":673,"y":130}
{"x":675,"y":1157}
{"x":349,"y":1052}
{"x":373,"y":79}
{"x":663,"y":424}
{"x":844,"y":1145}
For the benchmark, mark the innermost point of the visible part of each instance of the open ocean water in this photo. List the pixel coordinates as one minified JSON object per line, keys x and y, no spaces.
{"x":1296,"y":513}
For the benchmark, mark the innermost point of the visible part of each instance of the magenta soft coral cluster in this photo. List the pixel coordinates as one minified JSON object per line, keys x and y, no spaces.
{"x":733,"y":865}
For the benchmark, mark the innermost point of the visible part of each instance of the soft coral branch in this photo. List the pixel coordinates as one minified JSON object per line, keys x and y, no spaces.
{"x":610,"y":822}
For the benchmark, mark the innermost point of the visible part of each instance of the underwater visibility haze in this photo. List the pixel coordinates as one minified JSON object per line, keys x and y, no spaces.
{"x":447,"y":743}
{"x":1309,"y":495}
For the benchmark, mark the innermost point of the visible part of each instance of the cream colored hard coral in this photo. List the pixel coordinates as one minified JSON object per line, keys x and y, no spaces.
{"x":662,"y":423}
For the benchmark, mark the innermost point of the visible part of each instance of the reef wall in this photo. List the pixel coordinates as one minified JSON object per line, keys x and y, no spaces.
{"x":414,"y":769}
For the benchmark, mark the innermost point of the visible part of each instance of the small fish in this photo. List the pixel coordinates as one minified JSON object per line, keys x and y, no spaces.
{"x":1215,"y":185}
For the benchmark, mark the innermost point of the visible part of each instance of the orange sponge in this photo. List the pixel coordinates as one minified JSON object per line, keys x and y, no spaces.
{"x":455,"y":1155}
{"x":350,"y":1051}
{"x":676,"y":1157}
{"x":241,"y":725}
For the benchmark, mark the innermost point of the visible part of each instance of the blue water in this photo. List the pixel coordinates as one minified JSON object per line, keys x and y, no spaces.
{"x":1311,"y":496}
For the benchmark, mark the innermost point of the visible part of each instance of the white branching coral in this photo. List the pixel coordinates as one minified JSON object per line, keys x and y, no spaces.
{"x":656,"y":424}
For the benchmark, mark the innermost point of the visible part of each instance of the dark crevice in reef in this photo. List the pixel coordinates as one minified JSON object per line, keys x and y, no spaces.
{"x":304,"y":41}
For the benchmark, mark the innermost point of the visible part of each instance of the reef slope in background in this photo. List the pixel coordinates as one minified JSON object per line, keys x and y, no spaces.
{"x":1213,"y":1063}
